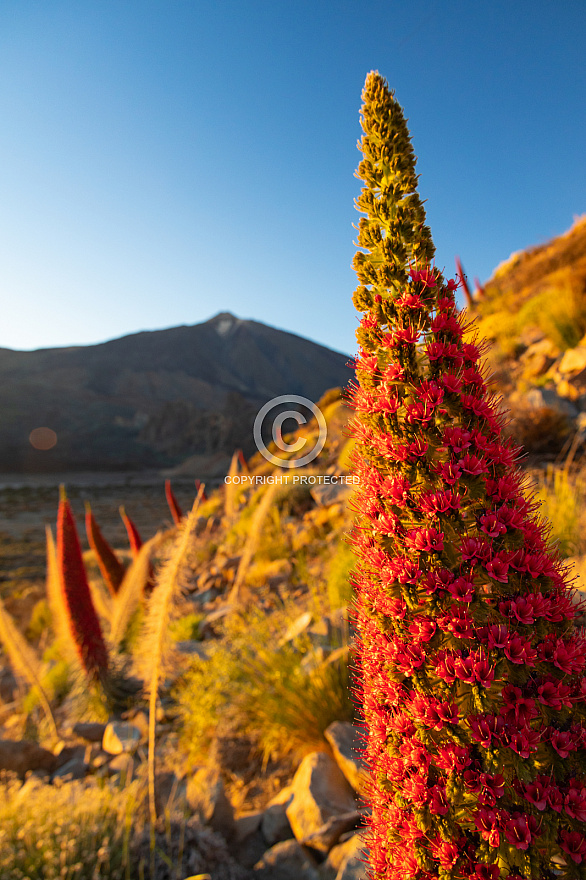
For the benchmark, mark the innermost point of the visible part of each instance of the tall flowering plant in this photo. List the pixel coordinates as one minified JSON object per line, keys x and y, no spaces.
{"x":472,"y":668}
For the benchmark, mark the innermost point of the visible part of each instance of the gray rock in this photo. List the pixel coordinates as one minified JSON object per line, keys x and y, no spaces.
{"x":249,"y":844}
{"x":119,"y":737}
{"x":327,"y":494}
{"x":91,"y":731}
{"x":329,"y":834}
{"x":320,"y":791}
{"x":345,"y":740}
{"x":286,"y":861}
{"x":191,"y":648}
{"x":546,"y":398}
{"x":122,"y":765}
{"x":65,"y":754}
{"x":76,"y":768}
{"x":170,"y":792}
{"x":275,"y":825}
{"x":207,"y":799}
{"x":246,"y":824}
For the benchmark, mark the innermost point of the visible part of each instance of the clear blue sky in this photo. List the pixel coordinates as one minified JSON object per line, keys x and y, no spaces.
{"x":163,"y":160}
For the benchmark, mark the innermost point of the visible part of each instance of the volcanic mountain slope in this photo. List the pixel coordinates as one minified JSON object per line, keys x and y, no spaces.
{"x":153,"y":399}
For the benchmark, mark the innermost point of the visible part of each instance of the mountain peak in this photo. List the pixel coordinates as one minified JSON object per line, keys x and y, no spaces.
{"x":224,"y":323}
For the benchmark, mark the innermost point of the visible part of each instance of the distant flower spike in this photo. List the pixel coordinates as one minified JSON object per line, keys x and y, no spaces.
{"x":464,"y":283}
{"x":83,"y":623}
{"x":110,"y":566}
{"x":176,"y":511}
{"x":473,"y":680}
{"x":242,"y":462}
{"x":134,"y":538}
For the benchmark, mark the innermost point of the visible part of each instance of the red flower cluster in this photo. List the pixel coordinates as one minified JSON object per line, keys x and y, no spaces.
{"x":473,"y":673}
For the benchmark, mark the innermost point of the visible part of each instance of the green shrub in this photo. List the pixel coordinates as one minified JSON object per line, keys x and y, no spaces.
{"x":338,"y":579}
{"x":186,"y":628}
{"x":40,"y":620}
{"x":252,"y":683}
{"x":563,"y":500}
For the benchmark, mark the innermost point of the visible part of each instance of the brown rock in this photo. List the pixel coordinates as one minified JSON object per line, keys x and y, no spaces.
{"x":320,"y":791}
{"x":91,"y":731}
{"x":20,"y":756}
{"x":344,"y":739}
{"x":8,"y":686}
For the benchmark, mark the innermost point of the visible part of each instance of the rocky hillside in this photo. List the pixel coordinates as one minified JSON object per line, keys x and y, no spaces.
{"x":534,"y":311}
{"x":155,"y":398}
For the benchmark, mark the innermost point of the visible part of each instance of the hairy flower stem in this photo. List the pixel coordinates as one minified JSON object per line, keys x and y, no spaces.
{"x":110,"y":566}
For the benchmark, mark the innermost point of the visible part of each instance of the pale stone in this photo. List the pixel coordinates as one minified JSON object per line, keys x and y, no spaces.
{"x":567,"y":390}
{"x":320,"y":791}
{"x":119,"y":737}
{"x":573,"y":360}
{"x":353,"y":866}
{"x":340,"y":855}
{"x":299,"y":625}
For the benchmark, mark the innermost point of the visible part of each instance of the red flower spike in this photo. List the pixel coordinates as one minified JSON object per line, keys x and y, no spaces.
{"x":176,"y":511}
{"x":82,"y":619}
{"x":472,"y":671}
{"x":134,"y":538}
{"x":110,"y":566}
